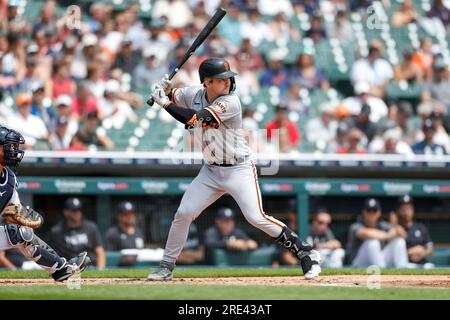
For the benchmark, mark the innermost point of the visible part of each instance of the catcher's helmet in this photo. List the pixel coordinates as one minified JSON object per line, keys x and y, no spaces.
{"x":216,"y":68}
{"x":11,"y":141}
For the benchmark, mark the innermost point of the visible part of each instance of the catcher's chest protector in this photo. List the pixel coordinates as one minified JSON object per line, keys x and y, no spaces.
{"x":7,"y":186}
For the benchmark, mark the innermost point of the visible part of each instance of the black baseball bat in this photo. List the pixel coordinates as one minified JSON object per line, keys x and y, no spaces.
{"x":212,"y":23}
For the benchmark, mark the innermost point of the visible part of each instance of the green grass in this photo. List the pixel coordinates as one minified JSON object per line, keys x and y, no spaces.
{"x":217,"y":272}
{"x":216,"y":292}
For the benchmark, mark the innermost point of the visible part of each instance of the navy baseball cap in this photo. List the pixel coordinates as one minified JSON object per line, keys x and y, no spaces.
{"x":405,"y":199}
{"x":125,"y":207}
{"x":225,"y":213}
{"x":372,"y":204}
{"x":73,"y":204}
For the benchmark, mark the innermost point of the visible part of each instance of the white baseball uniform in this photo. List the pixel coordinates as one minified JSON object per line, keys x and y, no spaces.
{"x":222,"y":145}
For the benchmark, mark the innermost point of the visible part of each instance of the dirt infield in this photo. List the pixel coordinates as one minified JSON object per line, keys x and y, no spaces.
{"x":442,"y":281}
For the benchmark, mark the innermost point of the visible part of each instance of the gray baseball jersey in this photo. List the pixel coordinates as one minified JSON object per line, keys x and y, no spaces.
{"x":225,"y":144}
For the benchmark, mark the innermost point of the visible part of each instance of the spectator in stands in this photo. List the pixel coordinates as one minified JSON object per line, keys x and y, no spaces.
{"x":248,"y":58}
{"x":61,"y":137}
{"x":280,"y":122}
{"x":127,"y":59}
{"x":341,"y":29}
{"x":352,"y":142}
{"x":63,"y":109}
{"x":40,"y":104}
{"x":405,"y":15}
{"x":94,"y":80}
{"x":281,"y":29}
{"x":114,"y":108}
{"x":390,"y":142}
{"x":61,"y":83}
{"x":13,"y":21}
{"x":324,"y":241}
{"x":193,"y":251}
{"x":294,"y":101}
{"x":75,"y":234}
{"x":372,"y":241}
{"x":84,"y":102}
{"x":247,"y":83}
{"x":362,"y":122}
{"x":77,"y":143}
{"x":92,"y":134}
{"x":30,"y":126}
{"x":255,"y":31}
{"x":423,"y":57}
{"x":373,"y":70}
{"x":316,"y":32}
{"x":322,"y":130}
{"x":276,"y":73}
{"x":378,"y":108}
{"x":418,"y":241}
{"x":306,"y":75}
{"x":404,"y":121}
{"x":441,"y":136}
{"x":408,"y":70}
{"x":230,"y":27}
{"x":427,"y":146}
{"x":88,"y":54}
{"x":339,"y":140}
{"x":126,"y":234}
{"x":440,"y":11}
{"x":438,"y":88}
{"x":150,"y":71}
{"x":225,"y":235}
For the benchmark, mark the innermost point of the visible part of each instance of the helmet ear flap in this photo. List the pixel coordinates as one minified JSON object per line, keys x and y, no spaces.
{"x":233,"y":84}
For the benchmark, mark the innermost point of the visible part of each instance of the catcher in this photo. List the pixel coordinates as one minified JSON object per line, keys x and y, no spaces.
{"x":17,"y":222}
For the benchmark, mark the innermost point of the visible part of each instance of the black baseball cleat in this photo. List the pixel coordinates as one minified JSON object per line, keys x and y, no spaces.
{"x":73,"y":266}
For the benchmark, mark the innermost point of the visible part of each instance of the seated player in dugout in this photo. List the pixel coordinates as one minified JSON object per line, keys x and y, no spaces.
{"x":228,"y":168}
{"x":74,"y":233}
{"x":225,"y":235}
{"x":126,"y":234}
{"x":320,"y":236}
{"x":418,"y":240}
{"x":372,"y":241}
{"x":20,"y":236}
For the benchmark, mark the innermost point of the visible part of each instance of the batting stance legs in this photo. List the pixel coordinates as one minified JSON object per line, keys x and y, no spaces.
{"x":241,"y":182}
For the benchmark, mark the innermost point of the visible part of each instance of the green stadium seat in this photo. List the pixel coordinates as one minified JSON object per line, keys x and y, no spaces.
{"x":259,"y":257}
{"x":441,"y":257}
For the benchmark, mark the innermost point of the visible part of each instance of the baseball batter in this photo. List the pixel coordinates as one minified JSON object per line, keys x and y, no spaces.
{"x":214,"y":109}
{"x":21,"y":237}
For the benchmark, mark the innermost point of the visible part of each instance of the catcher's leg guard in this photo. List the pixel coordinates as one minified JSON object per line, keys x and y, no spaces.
{"x":309,"y":258}
{"x":18,"y":235}
{"x":38,"y":251}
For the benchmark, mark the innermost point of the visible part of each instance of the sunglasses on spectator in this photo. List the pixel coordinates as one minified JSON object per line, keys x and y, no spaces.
{"x":323,"y":222}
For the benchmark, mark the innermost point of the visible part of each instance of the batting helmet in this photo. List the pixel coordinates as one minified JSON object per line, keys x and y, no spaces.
{"x":216,"y":68}
{"x":11,"y":141}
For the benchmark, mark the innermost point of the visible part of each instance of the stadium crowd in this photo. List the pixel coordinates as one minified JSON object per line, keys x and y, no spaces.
{"x":65,"y":82}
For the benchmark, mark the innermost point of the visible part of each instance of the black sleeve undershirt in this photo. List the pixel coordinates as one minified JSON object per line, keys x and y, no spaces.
{"x":179,"y":113}
{"x":188,"y":116}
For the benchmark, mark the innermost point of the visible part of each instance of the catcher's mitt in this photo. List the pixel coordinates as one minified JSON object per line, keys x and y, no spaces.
{"x":23,"y":216}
